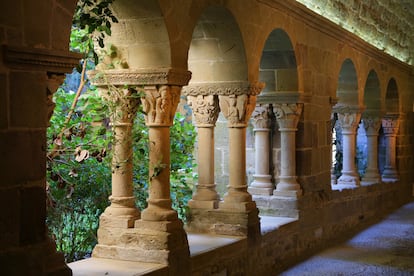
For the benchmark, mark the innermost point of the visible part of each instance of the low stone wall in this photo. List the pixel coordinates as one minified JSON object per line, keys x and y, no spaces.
{"x":324,"y":219}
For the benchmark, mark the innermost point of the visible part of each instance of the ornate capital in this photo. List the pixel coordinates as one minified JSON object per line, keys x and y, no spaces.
{"x":287,"y":115}
{"x":349,"y":122}
{"x":123,"y":104}
{"x":237,"y":108}
{"x":260,"y":117}
{"x":205,"y":109}
{"x":225,"y":88}
{"x":371,"y":125}
{"x":160,"y":103}
{"x":390,"y":124}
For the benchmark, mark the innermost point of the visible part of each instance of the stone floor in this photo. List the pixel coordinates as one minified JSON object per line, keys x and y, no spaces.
{"x":386,"y":248}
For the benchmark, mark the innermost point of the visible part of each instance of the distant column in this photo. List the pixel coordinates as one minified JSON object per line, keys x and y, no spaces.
{"x":262,"y":184}
{"x":372,"y":126}
{"x":390,"y":125}
{"x":287,"y":116}
{"x":348,"y":120}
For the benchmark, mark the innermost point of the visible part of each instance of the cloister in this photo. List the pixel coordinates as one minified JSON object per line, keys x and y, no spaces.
{"x":270,"y":84}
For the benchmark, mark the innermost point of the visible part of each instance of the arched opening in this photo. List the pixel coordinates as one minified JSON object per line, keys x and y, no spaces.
{"x":346,"y":117}
{"x":367,"y":137}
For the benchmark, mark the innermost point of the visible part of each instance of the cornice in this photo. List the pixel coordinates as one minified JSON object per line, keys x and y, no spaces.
{"x":158,"y":76}
{"x":50,"y":60}
{"x":329,"y":28}
{"x":224,"y":88}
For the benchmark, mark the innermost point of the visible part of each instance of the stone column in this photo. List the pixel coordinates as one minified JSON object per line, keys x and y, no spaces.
{"x":348,"y":120}
{"x":237,"y":110}
{"x":334,"y":181}
{"x":372,"y":126}
{"x":390,"y":125}
{"x":123,"y":104}
{"x":205,"y":110}
{"x":261,"y":184}
{"x":287,"y":116}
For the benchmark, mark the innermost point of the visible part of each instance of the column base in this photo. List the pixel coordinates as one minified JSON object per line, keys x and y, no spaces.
{"x":203,"y":204}
{"x":293,"y":193}
{"x":163,"y":242}
{"x":389,"y":175}
{"x":277,"y":206}
{"x":349,"y":180}
{"x":237,"y":206}
{"x":260,"y":191}
{"x":225,"y":222}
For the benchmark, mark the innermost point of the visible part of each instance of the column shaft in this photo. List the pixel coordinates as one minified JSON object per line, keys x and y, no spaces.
{"x":390,"y":124}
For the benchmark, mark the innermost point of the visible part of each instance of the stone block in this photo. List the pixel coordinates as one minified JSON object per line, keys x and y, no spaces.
{"x":206,"y":49}
{"x":9,"y":220}
{"x":37,"y":28}
{"x":60,"y":29}
{"x":286,"y":80}
{"x":28,"y":100}
{"x":229,"y":70}
{"x":32,"y":215}
{"x":28,"y":148}
{"x":148,"y":55}
{"x":4,"y":102}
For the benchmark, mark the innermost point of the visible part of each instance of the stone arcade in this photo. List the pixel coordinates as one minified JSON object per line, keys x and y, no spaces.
{"x":269,"y":83}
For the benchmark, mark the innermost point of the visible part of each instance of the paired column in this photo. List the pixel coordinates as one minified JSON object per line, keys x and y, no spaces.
{"x":348,"y":120}
{"x":262,"y":184}
{"x":205,"y":110}
{"x":372,"y":126}
{"x":390,"y":125}
{"x":287,"y":116}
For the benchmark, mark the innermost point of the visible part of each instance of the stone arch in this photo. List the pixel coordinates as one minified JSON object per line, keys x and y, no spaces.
{"x":217,"y":51}
{"x":278,"y":68}
{"x":141,"y":37}
{"x":391,"y":98}
{"x":347,"y":87}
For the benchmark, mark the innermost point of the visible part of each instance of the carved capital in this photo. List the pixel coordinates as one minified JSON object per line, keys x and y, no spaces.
{"x":223,"y":88}
{"x":260,"y":117}
{"x":123,"y":104}
{"x":371,"y":125}
{"x":160,"y":103}
{"x":349,"y":122}
{"x":287,"y":115}
{"x":237,"y":108}
{"x":205,"y":109}
{"x":390,"y":124}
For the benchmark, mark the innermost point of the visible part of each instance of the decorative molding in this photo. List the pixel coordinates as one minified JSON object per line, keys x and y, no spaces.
{"x":371,"y":125}
{"x":390,"y":124}
{"x":349,"y":122}
{"x":141,"y":77}
{"x":205,"y":109}
{"x":48,"y":60}
{"x":225,"y":88}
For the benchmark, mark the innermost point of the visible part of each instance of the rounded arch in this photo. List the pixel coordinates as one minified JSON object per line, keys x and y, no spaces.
{"x":392,"y":98}
{"x":278,"y":67}
{"x":217,"y":51}
{"x":347,"y":87}
{"x":372,"y":93}
{"x":141,"y":38}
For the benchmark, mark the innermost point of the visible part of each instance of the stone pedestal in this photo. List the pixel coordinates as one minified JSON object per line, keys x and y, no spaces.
{"x":262,"y":184}
{"x":390,"y":125}
{"x":287,"y":116}
{"x":348,"y":119}
{"x":372,"y":126}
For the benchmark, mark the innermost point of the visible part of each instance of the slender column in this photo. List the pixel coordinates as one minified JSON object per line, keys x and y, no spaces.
{"x":237,"y":110}
{"x":390,"y":125}
{"x":348,"y":121}
{"x":262,"y":184}
{"x":287,"y":116}
{"x":159,"y":105}
{"x":123,"y":104}
{"x":372,"y":126}
{"x":206,"y":110}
